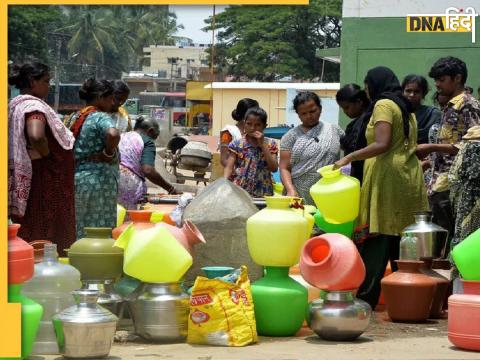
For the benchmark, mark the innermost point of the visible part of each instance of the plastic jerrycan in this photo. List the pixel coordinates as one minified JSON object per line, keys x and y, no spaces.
{"x":336,"y":195}
{"x":153,"y":255}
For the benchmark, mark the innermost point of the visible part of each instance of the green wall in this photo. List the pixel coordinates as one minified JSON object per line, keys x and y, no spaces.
{"x":370,"y":42}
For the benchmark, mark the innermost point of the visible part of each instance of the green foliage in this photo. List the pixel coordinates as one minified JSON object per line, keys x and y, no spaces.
{"x":28,"y":28}
{"x":267,"y":43}
{"x":98,"y":41}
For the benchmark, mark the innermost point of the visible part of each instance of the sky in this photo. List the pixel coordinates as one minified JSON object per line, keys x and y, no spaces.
{"x":191,"y":17}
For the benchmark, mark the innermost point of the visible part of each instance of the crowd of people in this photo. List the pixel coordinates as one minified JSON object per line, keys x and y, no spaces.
{"x":408,"y":157}
{"x":65,"y":176}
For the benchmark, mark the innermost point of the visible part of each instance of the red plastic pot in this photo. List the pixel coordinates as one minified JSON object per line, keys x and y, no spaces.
{"x":20,"y":257}
{"x":464,"y":317}
{"x":332,"y":262}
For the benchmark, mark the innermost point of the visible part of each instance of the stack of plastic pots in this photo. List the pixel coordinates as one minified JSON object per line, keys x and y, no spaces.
{"x":332,"y":263}
{"x":20,"y":269}
{"x":275,"y":236}
{"x":337,"y":197}
{"x":159,"y":306}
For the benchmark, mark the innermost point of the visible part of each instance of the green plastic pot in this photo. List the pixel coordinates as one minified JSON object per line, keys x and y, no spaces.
{"x":95,"y":256}
{"x":466,"y":256}
{"x":31,"y":316}
{"x":344,"y":229}
{"x":280,"y":303}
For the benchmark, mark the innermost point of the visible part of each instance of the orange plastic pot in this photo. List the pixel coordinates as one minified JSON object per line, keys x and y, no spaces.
{"x":38,"y":246}
{"x":332,"y":262}
{"x":140,"y":220}
{"x":464,"y":317}
{"x":20,"y":257}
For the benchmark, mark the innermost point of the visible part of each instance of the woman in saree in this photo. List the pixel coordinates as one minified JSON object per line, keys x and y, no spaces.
{"x":96,"y":157}
{"x":119,"y":114}
{"x":137,"y":153}
{"x":40,"y":161}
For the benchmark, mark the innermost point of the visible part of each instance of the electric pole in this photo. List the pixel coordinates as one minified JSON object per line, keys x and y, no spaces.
{"x":57,"y":75}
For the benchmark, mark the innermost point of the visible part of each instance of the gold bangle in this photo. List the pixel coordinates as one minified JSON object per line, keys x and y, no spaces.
{"x":353,"y":157}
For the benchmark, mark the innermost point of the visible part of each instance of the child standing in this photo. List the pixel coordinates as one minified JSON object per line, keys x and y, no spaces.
{"x":253,"y":158}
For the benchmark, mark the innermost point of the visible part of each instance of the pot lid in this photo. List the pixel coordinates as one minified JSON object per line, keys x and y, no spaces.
{"x":423,"y":223}
{"x":86,"y":310}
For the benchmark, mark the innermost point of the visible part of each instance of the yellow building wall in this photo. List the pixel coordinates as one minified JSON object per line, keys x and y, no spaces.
{"x":271,"y":100}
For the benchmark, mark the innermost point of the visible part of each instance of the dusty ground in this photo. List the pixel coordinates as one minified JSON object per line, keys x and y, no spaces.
{"x":383,"y":340}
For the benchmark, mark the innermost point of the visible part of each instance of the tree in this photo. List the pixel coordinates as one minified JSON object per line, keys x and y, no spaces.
{"x":92,"y":37}
{"x":267,"y":43}
{"x":28,"y":28}
{"x":114,"y":36}
{"x":95,"y":40}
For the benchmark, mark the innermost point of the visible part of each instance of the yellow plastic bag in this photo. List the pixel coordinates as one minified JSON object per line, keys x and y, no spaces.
{"x":221,"y":312}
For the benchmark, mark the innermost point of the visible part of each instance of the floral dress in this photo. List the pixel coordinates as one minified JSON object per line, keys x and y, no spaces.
{"x":464,"y":179}
{"x":250,"y":171}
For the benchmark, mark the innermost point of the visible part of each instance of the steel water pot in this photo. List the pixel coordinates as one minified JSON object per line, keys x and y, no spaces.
{"x":160,"y":311}
{"x":85,"y":330}
{"x":107,"y":295}
{"x":338,"y":316}
{"x":431,"y":239}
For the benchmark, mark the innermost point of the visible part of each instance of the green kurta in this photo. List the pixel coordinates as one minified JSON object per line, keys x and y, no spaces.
{"x":393,"y":187}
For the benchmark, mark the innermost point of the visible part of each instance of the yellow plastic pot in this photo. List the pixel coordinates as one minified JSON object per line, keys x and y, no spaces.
{"x":276,"y":234}
{"x":336,"y":195}
{"x":310,"y":220}
{"x":277,"y":189}
{"x":121,"y":212}
{"x":153,"y":255}
{"x":157,"y":216}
